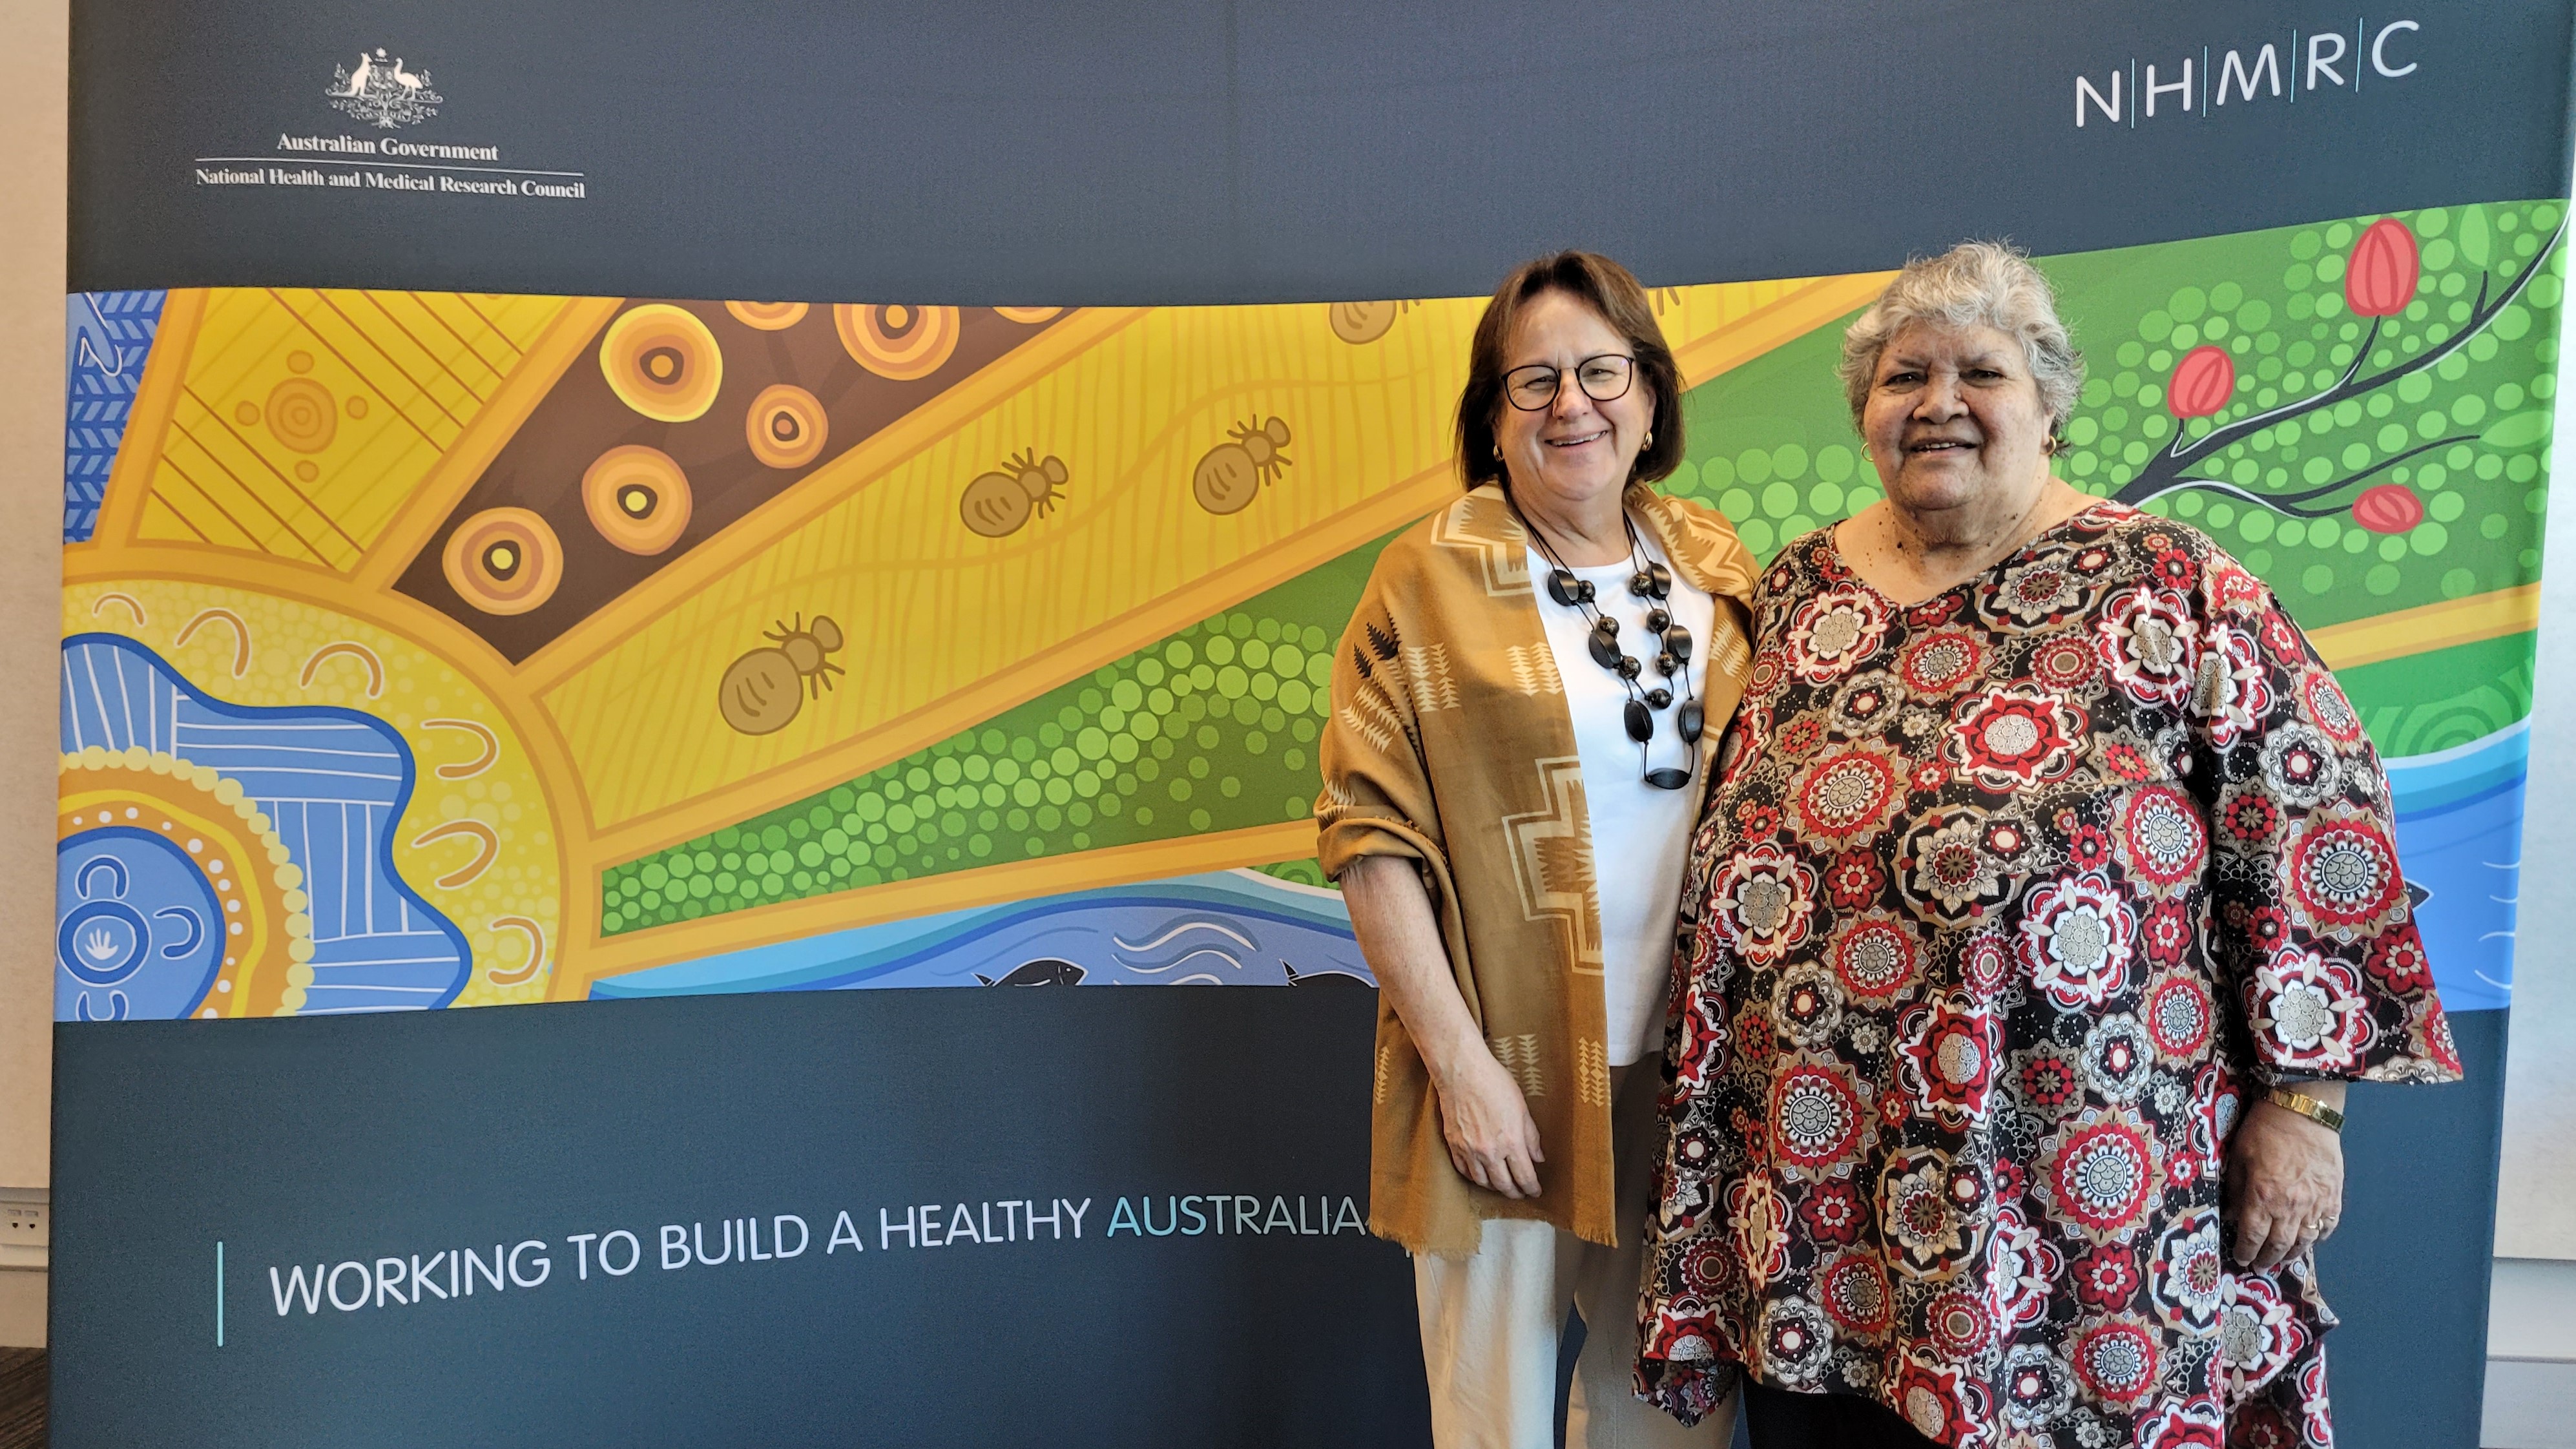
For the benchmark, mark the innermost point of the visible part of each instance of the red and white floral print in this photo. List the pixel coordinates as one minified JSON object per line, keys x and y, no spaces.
{"x":2019,"y":893}
{"x":2077,"y":938}
{"x":1832,"y":631}
{"x":2009,"y":739}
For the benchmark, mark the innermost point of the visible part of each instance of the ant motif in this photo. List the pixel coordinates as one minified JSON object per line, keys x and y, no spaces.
{"x":765,"y":688}
{"x":1232,"y":473}
{"x":1000,"y":503}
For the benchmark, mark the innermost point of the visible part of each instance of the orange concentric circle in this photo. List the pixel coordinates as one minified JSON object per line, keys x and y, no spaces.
{"x":768,"y":316}
{"x":503,"y":561}
{"x":897,"y":342}
{"x":637,"y":497}
{"x":663,"y":362}
{"x":786,"y":426}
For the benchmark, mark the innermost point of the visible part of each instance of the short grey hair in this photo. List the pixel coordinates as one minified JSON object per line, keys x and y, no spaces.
{"x":1975,"y":283}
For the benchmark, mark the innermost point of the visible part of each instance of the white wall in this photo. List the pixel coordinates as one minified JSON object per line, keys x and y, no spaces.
{"x":33,"y":65}
{"x":2536,"y":1198}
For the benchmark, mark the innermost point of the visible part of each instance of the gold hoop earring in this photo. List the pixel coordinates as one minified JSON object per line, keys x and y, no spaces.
{"x":1650,"y":438}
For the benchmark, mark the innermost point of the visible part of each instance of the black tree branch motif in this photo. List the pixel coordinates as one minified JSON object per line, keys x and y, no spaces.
{"x":2388,"y":249}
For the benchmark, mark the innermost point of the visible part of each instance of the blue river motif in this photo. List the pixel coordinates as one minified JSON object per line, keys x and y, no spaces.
{"x":136,"y":931}
{"x":1227,"y":928}
{"x":2459,"y":836}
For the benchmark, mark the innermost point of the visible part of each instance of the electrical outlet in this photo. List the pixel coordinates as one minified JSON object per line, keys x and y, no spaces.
{"x":26,"y":1228}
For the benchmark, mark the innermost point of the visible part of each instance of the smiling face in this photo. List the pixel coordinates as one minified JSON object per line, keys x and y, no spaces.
{"x":1954,"y":422}
{"x":1575,"y":451}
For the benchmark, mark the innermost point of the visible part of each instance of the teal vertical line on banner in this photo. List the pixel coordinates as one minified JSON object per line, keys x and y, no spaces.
{"x":219,"y":1292}
{"x":2204,"y":82}
{"x":2133,"y":93}
{"x":2295,"y":72}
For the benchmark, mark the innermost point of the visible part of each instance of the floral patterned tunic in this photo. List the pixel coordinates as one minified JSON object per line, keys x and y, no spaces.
{"x":2002,"y":904}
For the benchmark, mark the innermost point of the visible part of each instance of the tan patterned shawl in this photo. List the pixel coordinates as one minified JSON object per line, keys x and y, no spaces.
{"x":1450,"y":745}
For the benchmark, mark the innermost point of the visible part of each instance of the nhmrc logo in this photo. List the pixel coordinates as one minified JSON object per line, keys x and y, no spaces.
{"x":382,"y":93}
{"x":2329,"y":59}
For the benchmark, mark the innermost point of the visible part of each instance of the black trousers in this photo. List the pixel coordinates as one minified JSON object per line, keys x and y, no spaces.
{"x":1778,"y":1419}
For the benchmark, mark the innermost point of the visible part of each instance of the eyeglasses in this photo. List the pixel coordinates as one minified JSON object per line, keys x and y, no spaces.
{"x":1606,"y":378}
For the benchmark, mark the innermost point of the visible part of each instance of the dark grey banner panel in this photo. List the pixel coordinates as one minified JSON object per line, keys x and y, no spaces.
{"x":1264,"y":150}
{"x":943,"y":1217}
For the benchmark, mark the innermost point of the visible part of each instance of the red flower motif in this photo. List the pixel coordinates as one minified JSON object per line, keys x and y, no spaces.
{"x":2250,"y":819}
{"x":1854,"y":880}
{"x":2106,"y":1277}
{"x":2088,"y":847}
{"x":2007,"y":740}
{"x":1946,"y":1052}
{"x":2126,"y":762}
{"x":2049,"y":1080}
{"x":1756,"y":821}
{"x":2167,"y":933}
{"x":2282,"y":638}
{"x":1832,"y":1212}
{"x":2398,"y":962}
{"x":2268,"y":929}
{"x":1928,"y":778}
{"x":1802,"y":736}
{"x":2176,"y":569}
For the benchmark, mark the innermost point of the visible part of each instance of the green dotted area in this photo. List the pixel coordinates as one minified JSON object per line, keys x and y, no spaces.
{"x":1772,"y":444}
{"x":1211,"y":729}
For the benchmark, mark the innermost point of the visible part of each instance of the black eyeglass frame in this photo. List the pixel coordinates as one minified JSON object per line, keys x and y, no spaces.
{"x":1627,"y":380}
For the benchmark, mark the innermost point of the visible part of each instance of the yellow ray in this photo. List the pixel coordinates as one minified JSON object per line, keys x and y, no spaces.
{"x":1131,"y":553}
{"x":291,"y":422}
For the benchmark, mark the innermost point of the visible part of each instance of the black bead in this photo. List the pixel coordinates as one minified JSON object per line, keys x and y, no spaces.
{"x":1606,"y":627}
{"x":1668,"y":778}
{"x":1668,"y":665}
{"x":1693,"y":718}
{"x":1660,"y":698}
{"x":1629,"y":668}
{"x":1656,"y":581}
{"x":1677,"y":641}
{"x":1658,"y":621}
{"x":1604,"y":653}
{"x":1562,"y":587}
{"x":1641,"y":725}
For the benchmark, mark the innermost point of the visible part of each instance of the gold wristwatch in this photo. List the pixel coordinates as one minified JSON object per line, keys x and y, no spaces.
{"x":2306,"y":1106}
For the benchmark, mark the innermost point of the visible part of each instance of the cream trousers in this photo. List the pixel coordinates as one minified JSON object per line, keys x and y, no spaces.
{"x":1490,"y":1323}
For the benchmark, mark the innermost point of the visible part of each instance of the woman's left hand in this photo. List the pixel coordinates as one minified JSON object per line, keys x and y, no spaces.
{"x":2284,"y":1185}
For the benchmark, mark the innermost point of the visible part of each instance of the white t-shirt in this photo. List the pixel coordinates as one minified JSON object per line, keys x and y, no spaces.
{"x":1640,"y":834}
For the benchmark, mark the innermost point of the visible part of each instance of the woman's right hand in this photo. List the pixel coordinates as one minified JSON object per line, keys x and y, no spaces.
{"x":1493,"y":1140}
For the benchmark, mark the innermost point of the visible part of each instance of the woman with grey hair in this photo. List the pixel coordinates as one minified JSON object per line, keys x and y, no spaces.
{"x":2044,"y":902}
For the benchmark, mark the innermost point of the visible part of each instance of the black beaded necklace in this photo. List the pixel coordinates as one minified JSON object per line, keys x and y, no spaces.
{"x":1653,"y":581}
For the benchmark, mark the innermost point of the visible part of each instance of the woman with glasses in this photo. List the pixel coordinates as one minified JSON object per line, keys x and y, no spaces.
{"x":1523,"y":711}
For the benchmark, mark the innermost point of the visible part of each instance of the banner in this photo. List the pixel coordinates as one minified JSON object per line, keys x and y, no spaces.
{"x":467,"y":604}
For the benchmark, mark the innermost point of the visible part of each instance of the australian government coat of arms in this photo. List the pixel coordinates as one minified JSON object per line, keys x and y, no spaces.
{"x":381,"y":92}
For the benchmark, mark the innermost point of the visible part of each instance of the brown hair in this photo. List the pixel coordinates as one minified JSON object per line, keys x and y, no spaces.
{"x":1608,"y":289}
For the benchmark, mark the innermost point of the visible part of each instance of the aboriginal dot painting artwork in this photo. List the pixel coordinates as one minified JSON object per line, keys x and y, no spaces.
{"x":425,"y":650}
